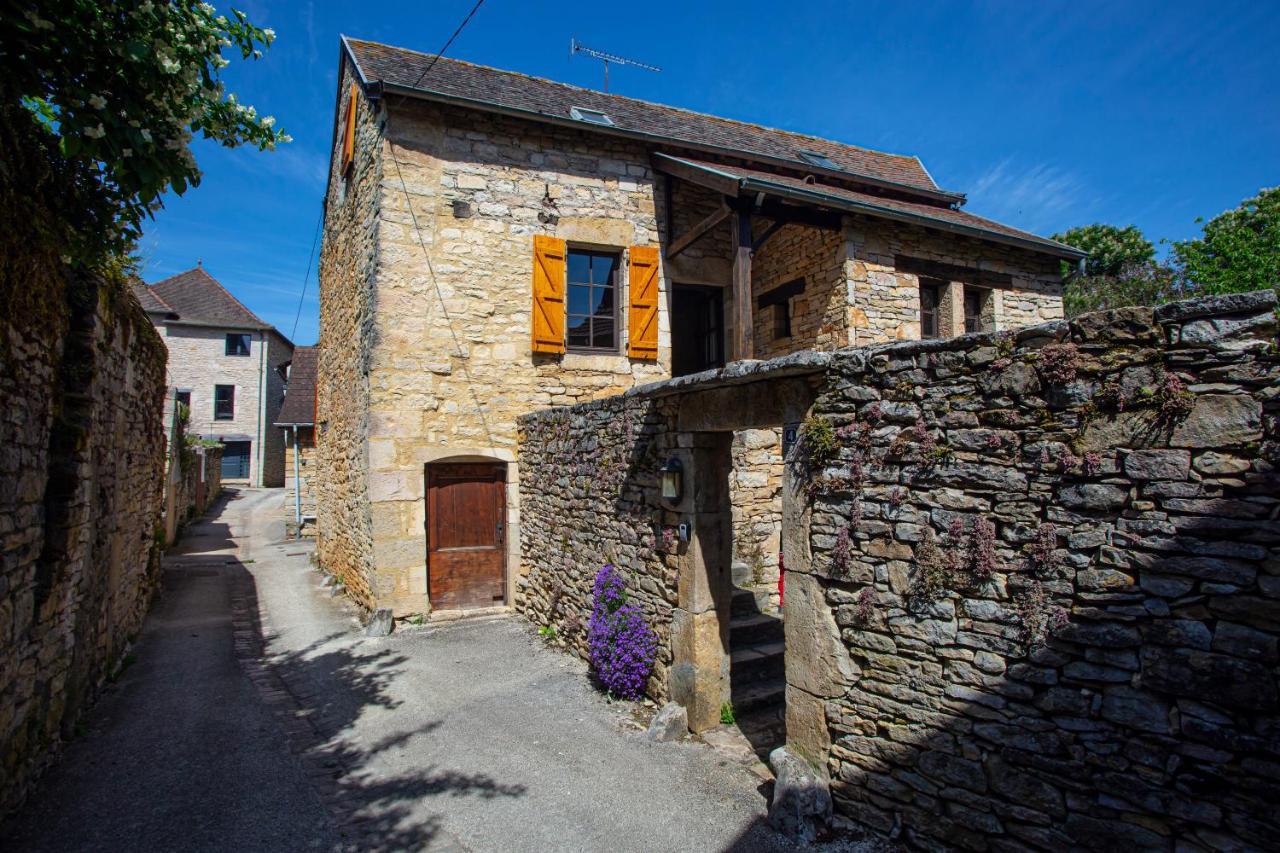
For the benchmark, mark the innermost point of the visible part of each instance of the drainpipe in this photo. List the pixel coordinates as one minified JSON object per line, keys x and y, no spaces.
{"x":297,"y":483}
{"x":262,"y":404}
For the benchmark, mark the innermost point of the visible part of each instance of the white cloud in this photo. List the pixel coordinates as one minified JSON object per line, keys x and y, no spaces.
{"x":1040,"y":197}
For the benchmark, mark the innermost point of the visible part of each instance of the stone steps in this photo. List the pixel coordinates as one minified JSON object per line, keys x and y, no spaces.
{"x":748,"y":601}
{"x":754,"y":629}
{"x":757,"y":663}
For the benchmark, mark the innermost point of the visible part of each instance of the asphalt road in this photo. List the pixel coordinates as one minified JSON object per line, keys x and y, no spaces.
{"x":258,"y":717}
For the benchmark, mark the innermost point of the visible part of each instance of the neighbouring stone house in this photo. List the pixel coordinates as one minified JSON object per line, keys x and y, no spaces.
{"x":495,"y":244}
{"x":227,"y":367}
{"x":297,"y":419}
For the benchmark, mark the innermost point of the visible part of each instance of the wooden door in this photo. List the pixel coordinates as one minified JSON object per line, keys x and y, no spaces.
{"x":466,"y":535}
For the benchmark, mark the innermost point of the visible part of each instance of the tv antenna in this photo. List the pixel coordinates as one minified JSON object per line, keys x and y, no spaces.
{"x":576,"y":46}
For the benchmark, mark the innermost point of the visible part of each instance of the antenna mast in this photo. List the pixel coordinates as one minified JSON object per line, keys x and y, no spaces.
{"x":577,"y":47}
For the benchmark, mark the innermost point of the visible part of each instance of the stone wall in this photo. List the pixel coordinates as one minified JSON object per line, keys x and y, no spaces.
{"x":1051,"y":561}
{"x":755,"y":494}
{"x":885,"y":301}
{"x":80,"y":494}
{"x":1033,"y":598}
{"x":348,"y":265}
{"x":589,"y":494}
{"x":305,"y":451}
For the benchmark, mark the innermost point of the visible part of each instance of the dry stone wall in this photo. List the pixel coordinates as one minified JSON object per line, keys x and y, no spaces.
{"x":81,"y":474}
{"x":1039,"y":606}
{"x":589,"y":494}
{"x":1053,"y":559}
{"x":755,"y":495}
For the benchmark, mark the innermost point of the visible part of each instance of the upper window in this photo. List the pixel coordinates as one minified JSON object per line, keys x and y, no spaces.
{"x":928,"y":311}
{"x":813,"y":158}
{"x":224,"y":402}
{"x":590,"y":116}
{"x":237,"y":344}
{"x":592,"y":310}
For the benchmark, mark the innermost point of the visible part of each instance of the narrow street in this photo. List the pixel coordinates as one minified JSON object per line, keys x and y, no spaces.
{"x":258,"y":717}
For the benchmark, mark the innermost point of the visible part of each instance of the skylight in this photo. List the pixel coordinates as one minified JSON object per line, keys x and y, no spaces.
{"x":591,"y":116}
{"x":813,"y":158}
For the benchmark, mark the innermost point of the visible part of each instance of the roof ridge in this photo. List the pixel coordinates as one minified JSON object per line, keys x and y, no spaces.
{"x":156,"y":296}
{"x":686,"y":110}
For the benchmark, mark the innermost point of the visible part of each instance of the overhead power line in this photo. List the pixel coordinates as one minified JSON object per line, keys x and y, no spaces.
{"x":440,"y":53}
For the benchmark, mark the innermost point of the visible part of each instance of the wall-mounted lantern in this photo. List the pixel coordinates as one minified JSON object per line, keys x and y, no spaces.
{"x":672,"y":480}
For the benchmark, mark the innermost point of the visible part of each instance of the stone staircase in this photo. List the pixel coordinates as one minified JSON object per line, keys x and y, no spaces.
{"x":757,"y":674}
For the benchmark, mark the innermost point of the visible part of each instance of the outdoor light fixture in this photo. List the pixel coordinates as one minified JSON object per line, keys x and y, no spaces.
{"x":672,"y":480}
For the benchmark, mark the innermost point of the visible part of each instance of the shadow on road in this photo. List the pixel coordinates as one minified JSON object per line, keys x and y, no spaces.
{"x":318,"y":693}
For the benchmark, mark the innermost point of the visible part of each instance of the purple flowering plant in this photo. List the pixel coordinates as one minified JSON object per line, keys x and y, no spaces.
{"x":621,"y":645}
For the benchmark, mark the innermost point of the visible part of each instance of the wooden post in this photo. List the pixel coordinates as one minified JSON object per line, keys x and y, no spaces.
{"x":743,"y":346}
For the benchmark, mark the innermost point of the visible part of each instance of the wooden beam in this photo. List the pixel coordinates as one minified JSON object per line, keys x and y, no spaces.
{"x":952,"y":272}
{"x":721,"y":182}
{"x":743,"y":332}
{"x":811,"y":217}
{"x":768,"y":232}
{"x":697,"y":232}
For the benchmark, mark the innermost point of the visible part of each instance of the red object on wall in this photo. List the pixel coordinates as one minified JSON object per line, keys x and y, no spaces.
{"x":782,"y":574}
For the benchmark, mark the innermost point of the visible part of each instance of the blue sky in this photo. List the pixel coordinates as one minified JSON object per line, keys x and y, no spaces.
{"x":1048,"y":114}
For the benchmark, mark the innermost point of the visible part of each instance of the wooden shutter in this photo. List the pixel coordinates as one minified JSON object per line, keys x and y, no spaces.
{"x":548,"y":293}
{"x":349,"y":131}
{"x":642,"y":320}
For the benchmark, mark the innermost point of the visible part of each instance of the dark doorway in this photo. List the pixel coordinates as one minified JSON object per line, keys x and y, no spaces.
{"x":466,"y":553}
{"x":697,"y":328}
{"x":235,"y":460}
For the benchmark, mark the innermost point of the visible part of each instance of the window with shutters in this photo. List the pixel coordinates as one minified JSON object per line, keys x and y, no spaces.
{"x":349,"y":133}
{"x":591,"y":310}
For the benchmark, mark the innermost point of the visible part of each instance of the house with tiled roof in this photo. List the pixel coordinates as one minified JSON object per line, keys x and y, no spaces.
{"x":227,"y":367}
{"x":297,"y":418}
{"x":495,"y":244}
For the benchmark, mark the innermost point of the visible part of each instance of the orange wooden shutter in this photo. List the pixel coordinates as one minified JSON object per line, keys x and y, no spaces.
{"x":548,"y":293}
{"x":642,"y":319}
{"x":349,"y":131}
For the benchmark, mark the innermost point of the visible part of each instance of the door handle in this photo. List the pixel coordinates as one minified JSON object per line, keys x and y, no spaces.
{"x":499,"y":531}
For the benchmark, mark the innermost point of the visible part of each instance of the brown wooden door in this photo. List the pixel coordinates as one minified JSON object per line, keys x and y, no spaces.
{"x":466,"y":520}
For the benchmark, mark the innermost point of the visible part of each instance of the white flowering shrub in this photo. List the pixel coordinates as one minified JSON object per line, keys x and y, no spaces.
{"x":120,"y":88}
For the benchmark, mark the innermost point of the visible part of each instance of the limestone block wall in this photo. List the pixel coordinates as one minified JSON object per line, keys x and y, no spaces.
{"x":81,"y":474}
{"x":450,"y":361}
{"x":819,"y":316}
{"x":755,"y":495}
{"x":1051,"y":561}
{"x":198,"y":361}
{"x":348,"y":264}
{"x":885,"y":303}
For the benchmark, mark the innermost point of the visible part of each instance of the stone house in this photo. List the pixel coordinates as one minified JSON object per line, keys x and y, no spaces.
{"x":297,"y":419}
{"x":497,"y":244}
{"x":227,"y":367}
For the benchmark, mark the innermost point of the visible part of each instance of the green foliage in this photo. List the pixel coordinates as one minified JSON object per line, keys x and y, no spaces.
{"x":113,"y":93}
{"x":1111,"y":248}
{"x":727,"y":715}
{"x":547,"y":632}
{"x":1240,"y":249}
{"x":819,"y":441}
{"x":1137,"y":284}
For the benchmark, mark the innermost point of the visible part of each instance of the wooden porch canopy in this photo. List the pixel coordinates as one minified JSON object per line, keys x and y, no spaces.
{"x":782,"y":199}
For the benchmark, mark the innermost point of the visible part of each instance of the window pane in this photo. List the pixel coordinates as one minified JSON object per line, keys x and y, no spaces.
{"x":603,"y":268}
{"x":579,"y":331}
{"x":602,"y":336}
{"x":579,"y":299}
{"x":579,"y":267}
{"x":602,"y":297}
